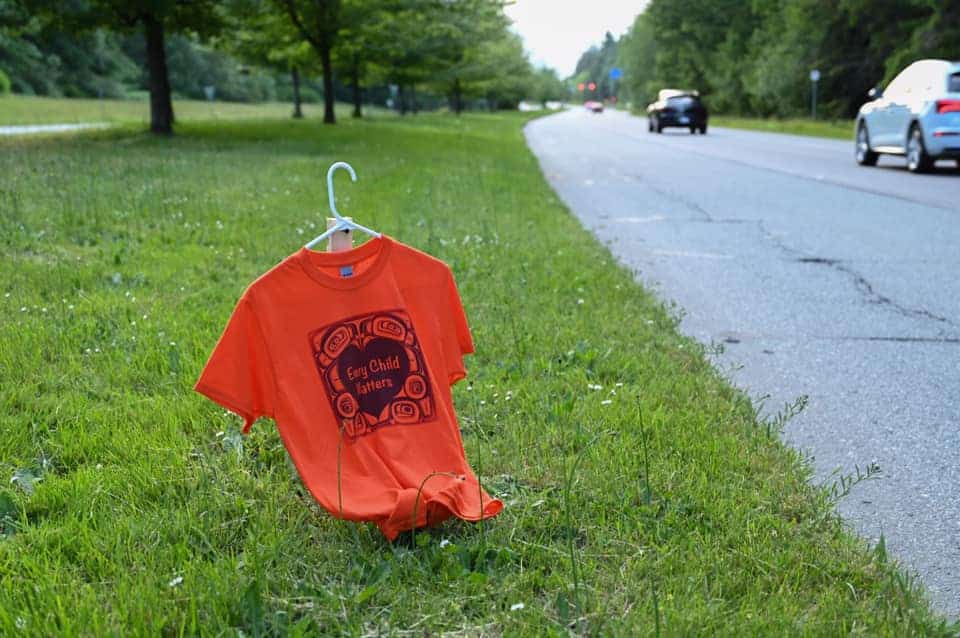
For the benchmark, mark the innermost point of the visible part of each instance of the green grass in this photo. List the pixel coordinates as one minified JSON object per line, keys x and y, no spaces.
{"x":836,"y":129}
{"x":139,"y":509}
{"x":18,"y":109}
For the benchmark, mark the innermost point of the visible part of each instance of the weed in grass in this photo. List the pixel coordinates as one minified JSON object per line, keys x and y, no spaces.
{"x":841,"y":487}
{"x":775,"y":425}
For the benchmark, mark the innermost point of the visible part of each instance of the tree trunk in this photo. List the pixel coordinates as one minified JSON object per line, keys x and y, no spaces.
{"x":295,"y":76}
{"x":402,"y":99}
{"x":328,"y":97}
{"x":161,"y":107}
{"x":413,"y":98}
{"x":355,"y":80}
{"x":457,"y":97}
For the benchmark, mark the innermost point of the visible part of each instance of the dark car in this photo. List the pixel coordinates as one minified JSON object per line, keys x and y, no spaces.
{"x":679,"y":109}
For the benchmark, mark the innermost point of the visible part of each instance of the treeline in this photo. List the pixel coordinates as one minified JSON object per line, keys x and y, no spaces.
{"x":412,"y":53}
{"x":104,"y":64}
{"x":755,"y":58}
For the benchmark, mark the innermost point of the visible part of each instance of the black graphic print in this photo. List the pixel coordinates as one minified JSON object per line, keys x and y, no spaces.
{"x":373,"y":371}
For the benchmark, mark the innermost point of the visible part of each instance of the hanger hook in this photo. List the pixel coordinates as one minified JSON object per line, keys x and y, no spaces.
{"x":330,"y":172}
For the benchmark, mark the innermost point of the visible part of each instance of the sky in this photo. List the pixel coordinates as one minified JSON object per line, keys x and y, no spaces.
{"x":556,"y":32}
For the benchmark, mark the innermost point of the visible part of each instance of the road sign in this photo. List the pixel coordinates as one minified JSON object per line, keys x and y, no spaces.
{"x":616,"y":73}
{"x":815,"y":75}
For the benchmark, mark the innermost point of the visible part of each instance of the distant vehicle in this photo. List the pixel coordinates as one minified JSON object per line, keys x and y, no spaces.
{"x":594,"y":105}
{"x":918,"y":115}
{"x":678,"y":109}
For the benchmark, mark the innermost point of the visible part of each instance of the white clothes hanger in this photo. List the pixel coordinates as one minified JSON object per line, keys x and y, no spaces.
{"x":342,"y":222}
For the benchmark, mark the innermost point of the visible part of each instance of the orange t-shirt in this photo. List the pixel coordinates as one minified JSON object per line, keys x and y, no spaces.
{"x":357,"y":350}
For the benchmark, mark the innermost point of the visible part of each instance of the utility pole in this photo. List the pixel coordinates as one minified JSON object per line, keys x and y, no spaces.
{"x":814,"y":80}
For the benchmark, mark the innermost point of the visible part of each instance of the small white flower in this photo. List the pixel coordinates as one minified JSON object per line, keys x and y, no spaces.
{"x":99,"y":466}
{"x":173,"y":343}
{"x":23,"y":308}
{"x":606,"y":402}
{"x":43,"y":309}
{"x":176,"y":581}
{"x":619,"y":384}
{"x":579,"y":302}
{"x":70,"y":307}
{"x":7,"y":295}
{"x":516,"y":606}
{"x":87,"y":350}
{"x":444,"y":542}
{"x":21,"y":623}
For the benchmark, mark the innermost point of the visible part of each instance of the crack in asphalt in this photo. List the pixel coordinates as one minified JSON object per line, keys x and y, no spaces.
{"x":673,"y":196}
{"x":860,"y":282}
{"x":871,"y":295}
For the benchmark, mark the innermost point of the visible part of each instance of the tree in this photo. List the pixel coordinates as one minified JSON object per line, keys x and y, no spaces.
{"x":261,"y":35}
{"x":546,"y":87}
{"x":635,"y":56}
{"x":496,"y":70}
{"x":318,"y":22}
{"x":157,"y":19}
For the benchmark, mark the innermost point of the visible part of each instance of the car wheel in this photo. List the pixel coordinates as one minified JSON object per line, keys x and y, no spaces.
{"x":659,"y":126}
{"x":917,"y":159}
{"x":650,"y":125}
{"x":703,"y":129}
{"x":693,"y":130}
{"x":865,"y":156}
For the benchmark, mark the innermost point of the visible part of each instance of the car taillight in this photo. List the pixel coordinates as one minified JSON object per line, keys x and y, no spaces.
{"x":948,"y":106}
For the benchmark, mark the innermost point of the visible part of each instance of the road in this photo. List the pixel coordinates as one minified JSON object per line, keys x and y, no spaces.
{"x":32,"y":129}
{"x":819,"y":278}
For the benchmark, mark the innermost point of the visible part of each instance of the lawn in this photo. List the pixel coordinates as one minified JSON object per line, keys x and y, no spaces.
{"x":643,"y":495}
{"x":19,"y":109}
{"x":837,"y":129}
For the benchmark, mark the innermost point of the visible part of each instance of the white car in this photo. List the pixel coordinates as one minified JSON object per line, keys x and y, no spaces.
{"x":918,"y":115}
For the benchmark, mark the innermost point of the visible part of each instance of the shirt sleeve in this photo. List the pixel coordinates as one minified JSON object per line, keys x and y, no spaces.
{"x":239,"y":374}
{"x":457,"y":340}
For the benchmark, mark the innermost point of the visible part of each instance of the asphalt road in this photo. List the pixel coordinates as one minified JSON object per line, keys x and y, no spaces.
{"x":820,"y":278}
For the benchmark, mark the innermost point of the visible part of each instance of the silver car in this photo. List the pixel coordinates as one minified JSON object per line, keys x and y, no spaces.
{"x":918,"y":115}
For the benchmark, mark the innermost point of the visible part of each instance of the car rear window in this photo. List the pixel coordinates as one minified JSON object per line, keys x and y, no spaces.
{"x":953,"y":83}
{"x":683,"y":102}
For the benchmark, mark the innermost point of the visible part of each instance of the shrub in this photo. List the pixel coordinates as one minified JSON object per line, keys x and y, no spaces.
{"x":4,"y":83}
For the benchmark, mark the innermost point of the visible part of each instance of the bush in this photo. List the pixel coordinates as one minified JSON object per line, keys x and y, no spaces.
{"x":4,"y":83}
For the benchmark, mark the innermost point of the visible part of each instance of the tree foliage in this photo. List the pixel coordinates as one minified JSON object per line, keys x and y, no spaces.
{"x":461,"y":52}
{"x":754,"y":58}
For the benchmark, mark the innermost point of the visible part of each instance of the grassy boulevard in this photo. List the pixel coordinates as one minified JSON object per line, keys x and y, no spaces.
{"x":836,"y":129}
{"x":643,"y":495}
